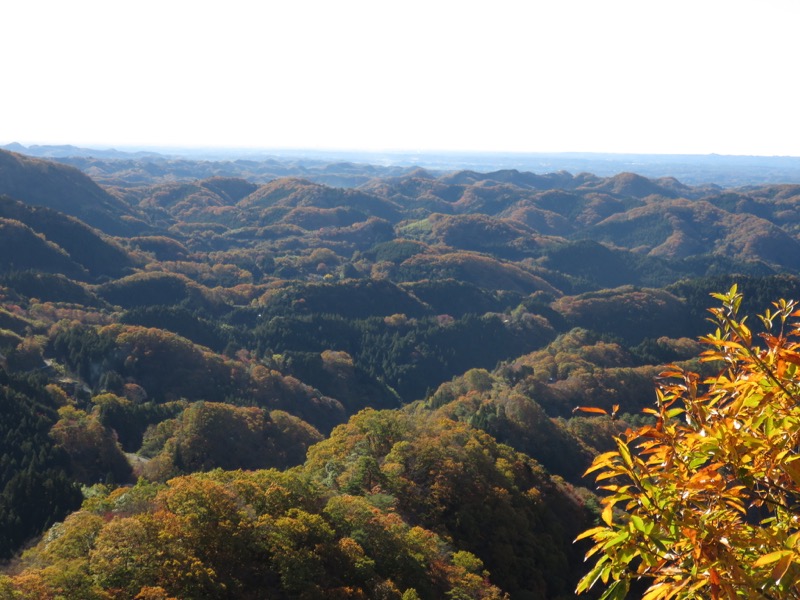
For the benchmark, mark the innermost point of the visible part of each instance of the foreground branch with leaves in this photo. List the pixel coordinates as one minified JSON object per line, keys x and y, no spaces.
{"x":705,"y":502}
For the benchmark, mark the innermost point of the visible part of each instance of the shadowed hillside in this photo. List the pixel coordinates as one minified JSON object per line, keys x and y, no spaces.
{"x":67,"y":190}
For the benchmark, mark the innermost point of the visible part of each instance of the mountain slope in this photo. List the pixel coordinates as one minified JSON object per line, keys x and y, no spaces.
{"x":682,"y":228}
{"x":21,"y":248}
{"x":101,"y":257}
{"x":66,"y":189}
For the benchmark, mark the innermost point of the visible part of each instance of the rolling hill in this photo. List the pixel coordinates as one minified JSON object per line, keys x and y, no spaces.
{"x":67,"y":190}
{"x":370,"y":386}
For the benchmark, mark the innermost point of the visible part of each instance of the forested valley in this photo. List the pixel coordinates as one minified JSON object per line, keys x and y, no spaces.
{"x":219,"y":381}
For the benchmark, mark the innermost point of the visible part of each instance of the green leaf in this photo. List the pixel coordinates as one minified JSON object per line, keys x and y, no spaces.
{"x":592,"y":576}
{"x":638,"y":523}
{"x":590,"y":533}
{"x":616,"y":591}
{"x":621,"y":537}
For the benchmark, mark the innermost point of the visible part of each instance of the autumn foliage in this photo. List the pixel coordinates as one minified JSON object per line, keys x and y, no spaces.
{"x":235,"y":534}
{"x":191,"y":316}
{"x":703,"y":502}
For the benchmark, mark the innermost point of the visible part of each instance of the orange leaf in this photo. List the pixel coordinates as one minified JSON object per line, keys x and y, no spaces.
{"x":780,"y":568}
{"x":589,"y":409}
{"x":713,"y":577}
{"x":793,"y":470}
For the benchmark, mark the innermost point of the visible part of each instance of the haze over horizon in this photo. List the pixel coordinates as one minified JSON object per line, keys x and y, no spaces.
{"x":522,"y":77}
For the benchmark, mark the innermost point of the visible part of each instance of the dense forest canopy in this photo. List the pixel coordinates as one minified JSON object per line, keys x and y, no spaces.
{"x":350,"y":382}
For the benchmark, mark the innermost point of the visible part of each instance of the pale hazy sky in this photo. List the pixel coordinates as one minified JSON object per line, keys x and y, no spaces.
{"x":650,"y":76}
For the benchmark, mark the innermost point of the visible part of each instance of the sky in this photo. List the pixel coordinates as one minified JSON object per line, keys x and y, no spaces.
{"x":621,"y":76}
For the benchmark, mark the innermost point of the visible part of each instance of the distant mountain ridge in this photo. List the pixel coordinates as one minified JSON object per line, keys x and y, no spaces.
{"x":58,"y":151}
{"x":505,"y":215}
{"x":349,"y":168}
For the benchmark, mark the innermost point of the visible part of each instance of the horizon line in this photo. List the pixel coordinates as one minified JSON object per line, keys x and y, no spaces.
{"x":157,"y":149}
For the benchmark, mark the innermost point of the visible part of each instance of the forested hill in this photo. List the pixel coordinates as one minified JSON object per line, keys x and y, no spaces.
{"x":217,"y":386}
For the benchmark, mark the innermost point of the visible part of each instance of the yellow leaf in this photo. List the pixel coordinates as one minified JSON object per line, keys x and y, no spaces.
{"x":602,"y":461}
{"x":607,"y":514}
{"x":608,"y":474}
{"x":771,"y":557}
{"x":658,"y":591}
{"x":624,"y":452}
{"x":590,"y":532}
